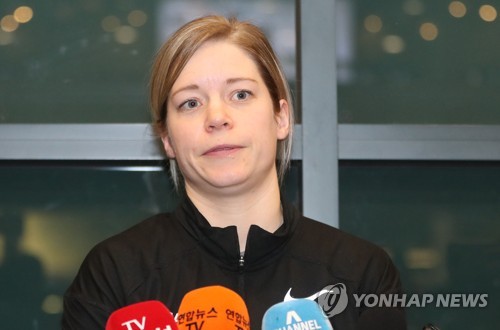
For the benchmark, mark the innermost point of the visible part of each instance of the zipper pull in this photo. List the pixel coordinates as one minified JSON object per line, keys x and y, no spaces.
{"x":242,"y":260}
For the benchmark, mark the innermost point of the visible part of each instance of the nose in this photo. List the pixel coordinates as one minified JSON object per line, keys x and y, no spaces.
{"x":218,"y":117}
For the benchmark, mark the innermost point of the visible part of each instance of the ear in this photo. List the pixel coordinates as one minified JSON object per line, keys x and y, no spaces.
{"x":283,"y":120}
{"x":167,"y":145}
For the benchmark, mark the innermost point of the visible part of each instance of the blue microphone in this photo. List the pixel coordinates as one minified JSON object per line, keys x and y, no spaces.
{"x":295,"y":314}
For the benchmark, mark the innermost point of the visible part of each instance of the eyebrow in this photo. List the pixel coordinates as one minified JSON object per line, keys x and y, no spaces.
{"x":185,"y":88}
{"x":228,"y":82}
{"x":235,"y":80}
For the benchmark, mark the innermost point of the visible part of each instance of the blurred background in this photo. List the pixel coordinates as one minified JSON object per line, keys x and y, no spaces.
{"x":417,"y":114}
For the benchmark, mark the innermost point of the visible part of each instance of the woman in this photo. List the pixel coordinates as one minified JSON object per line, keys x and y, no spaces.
{"x":222,"y":108}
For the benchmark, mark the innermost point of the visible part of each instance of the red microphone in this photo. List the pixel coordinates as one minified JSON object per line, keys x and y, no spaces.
{"x":213,"y":308}
{"x":146,"y":315}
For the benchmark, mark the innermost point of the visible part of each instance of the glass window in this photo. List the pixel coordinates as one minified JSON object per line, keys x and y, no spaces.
{"x":52,"y":215}
{"x":418,"y":62}
{"x":440,"y":223}
{"x":88,"y":61}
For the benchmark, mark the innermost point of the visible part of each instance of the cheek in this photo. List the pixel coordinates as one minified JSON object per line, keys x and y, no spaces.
{"x":270,"y":124}
{"x":183,"y":138}
{"x":265,"y":131}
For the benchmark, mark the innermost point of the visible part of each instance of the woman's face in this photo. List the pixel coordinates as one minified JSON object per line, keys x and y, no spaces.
{"x":222,"y":128}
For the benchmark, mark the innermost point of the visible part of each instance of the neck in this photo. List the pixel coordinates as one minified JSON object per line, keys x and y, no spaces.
{"x":260,"y":207}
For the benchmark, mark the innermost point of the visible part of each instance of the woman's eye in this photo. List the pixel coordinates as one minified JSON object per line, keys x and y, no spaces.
{"x":189,"y":104}
{"x":242,"y":95}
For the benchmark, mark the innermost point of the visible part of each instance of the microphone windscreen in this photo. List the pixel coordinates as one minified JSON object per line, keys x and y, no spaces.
{"x":295,"y":314}
{"x":146,"y":315}
{"x":213,"y":308}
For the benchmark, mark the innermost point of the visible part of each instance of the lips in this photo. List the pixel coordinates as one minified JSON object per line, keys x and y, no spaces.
{"x":222,"y":150}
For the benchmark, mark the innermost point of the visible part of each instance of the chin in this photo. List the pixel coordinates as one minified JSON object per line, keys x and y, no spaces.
{"x":226,"y":183}
{"x":227,"y":180}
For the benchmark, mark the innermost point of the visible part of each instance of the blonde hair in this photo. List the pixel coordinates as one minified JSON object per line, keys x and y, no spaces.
{"x":180,"y":47}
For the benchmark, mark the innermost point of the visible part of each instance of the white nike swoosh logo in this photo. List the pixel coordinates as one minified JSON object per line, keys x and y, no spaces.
{"x":314,"y":296}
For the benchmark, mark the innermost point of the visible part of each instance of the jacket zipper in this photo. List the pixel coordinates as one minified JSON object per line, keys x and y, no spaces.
{"x":241,"y":278}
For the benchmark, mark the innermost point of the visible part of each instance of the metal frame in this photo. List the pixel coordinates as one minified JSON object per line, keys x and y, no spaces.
{"x":90,"y":142}
{"x":420,"y":142}
{"x":78,"y":142}
{"x":318,"y":104}
{"x":355,"y":142}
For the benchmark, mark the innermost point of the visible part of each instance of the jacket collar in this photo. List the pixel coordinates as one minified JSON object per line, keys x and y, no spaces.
{"x":222,"y":243}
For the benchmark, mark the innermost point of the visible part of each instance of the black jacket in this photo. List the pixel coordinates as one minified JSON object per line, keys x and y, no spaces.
{"x":168,"y":255}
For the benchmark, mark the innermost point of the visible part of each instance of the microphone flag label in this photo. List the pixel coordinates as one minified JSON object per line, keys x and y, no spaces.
{"x":139,"y":325}
{"x":294,"y":314}
{"x":146,"y":315}
{"x":212,"y":308}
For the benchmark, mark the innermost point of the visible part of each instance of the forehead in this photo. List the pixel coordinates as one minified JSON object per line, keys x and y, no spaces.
{"x":218,"y":60}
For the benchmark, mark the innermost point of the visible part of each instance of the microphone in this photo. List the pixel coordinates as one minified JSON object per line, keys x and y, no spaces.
{"x":295,"y":314}
{"x":213,"y":308}
{"x":146,"y":315}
